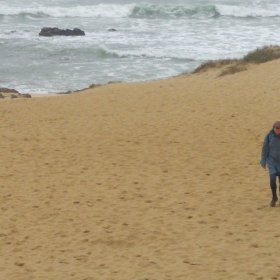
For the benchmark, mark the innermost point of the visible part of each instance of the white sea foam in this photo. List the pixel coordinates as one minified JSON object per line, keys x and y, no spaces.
{"x":101,"y":10}
{"x":140,"y":11}
{"x":246,"y":11}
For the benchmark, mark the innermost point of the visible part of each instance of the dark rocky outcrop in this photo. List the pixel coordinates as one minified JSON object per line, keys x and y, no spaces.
{"x":12,"y":93}
{"x":112,"y":30}
{"x":8,"y":90}
{"x":54,"y":31}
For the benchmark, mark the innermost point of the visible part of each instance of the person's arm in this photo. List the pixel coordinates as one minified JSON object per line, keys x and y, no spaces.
{"x":265,"y":151}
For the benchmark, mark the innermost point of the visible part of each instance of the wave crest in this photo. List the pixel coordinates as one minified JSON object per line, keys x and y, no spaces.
{"x":113,"y":11}
{"x":169,"y":11}
{"x":149,"y":11}
{"x":102,"y":52}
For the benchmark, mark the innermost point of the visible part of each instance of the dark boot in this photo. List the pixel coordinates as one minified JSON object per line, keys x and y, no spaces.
{"x":273,"y":187}
{"x":273,"y":201}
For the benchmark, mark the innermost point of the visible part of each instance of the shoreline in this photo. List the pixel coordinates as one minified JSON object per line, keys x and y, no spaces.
{"x":226,"y":66}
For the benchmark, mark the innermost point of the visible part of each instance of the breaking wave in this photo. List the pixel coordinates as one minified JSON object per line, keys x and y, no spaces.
{"x":149,"y":11}
{"x":169,"y":11}
{"x":104,"y":53}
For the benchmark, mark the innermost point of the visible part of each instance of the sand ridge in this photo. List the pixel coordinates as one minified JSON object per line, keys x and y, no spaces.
{"x":155,"y":180}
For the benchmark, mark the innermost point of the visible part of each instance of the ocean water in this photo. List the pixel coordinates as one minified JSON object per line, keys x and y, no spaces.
{"x":154,"y":39}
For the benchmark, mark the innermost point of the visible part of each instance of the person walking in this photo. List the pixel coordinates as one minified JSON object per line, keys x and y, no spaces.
{"x":270,"y":157}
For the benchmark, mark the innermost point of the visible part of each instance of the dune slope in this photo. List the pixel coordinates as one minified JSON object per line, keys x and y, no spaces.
{"x":157,"y":181}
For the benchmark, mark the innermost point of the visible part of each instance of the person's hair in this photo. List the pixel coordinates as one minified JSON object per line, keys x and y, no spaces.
{"x":276,"y":124}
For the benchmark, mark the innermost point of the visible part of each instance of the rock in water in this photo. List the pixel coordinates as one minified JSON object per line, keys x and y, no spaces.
{"x":54,"y":31}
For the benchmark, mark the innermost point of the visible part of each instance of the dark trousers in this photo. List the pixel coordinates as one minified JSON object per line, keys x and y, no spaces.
{"x":273,"y":184}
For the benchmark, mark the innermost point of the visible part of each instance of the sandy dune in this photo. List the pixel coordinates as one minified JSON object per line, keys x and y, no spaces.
{"x":157,"y":181}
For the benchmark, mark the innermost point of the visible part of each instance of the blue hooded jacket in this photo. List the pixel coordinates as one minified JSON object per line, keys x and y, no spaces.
{"x":271,"y":152}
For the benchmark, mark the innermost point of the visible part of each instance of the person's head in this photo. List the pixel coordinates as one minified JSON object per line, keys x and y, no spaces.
{"x":276,"y":127}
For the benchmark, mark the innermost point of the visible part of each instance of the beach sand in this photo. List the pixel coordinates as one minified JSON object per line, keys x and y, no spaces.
{"x":158,"y":180}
